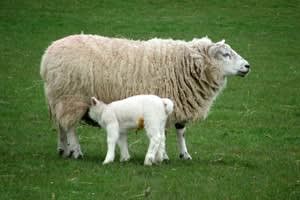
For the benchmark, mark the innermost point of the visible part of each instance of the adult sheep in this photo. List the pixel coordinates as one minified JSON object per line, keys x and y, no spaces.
{"x":78,"y":67}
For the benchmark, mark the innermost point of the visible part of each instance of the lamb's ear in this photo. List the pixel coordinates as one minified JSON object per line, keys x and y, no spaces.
{"x":94,"y":101}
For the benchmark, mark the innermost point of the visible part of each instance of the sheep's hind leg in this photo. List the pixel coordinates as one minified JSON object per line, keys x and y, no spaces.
{"x":68,"y":111}
{"x":62,"y":142}
{"x":74,"y":149}
{"x":180,"y":129}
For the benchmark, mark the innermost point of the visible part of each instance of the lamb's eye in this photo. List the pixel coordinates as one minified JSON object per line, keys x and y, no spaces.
{"x":226,"y":55}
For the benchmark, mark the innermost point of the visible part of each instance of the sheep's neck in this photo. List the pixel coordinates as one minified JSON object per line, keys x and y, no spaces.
{"x":198,"y":89}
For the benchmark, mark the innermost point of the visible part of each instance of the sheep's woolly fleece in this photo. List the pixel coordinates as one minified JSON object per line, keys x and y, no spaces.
{"x":78,"y":67}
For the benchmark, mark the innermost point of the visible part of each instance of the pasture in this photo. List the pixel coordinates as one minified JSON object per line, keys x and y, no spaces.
{"x":248,"y":148}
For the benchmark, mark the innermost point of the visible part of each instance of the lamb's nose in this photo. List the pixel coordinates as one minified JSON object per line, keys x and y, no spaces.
{"x":247,"y":66}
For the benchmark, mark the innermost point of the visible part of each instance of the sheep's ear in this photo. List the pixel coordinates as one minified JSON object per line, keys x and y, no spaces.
{"x":94,"y":101}
{"x":221,"y":42}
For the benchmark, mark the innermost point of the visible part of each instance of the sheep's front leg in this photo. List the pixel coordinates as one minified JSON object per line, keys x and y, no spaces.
{"x":112,"y":138}
{"x":122,"y":142}
{"x":62,"y":142}
{"x":74,"y":149}
{"x":180,"y":129}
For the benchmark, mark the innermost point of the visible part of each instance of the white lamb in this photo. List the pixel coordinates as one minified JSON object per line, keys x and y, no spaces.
{"x":136,"y":112}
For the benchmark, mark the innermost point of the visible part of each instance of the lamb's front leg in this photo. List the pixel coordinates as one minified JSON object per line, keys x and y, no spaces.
{"x":184,"y":154}
{"x":122,"y":142}
{"x":112,"y":138}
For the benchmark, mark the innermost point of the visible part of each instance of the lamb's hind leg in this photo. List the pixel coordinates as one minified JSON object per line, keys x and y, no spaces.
{"x":123,"y":144}
{"x":163,"y":147}
{"x":183,"y":152}
{"x":155,"y":141}
{"x":162,"y":153}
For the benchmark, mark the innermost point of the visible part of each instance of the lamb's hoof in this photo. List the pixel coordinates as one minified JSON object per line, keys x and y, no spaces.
{"x":185,"y":156}
{"x":165,"y":157}
{"x":125,"y":159}
{"x":166,"y":161}
{"x":149,"y":162}
{"x":158,"y":159}
{"x":106,"y":162}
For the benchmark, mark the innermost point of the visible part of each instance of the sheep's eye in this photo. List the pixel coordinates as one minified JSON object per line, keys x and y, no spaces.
{"x":226,"y":55}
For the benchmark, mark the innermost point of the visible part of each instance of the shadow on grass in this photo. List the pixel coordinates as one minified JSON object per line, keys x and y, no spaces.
{"x":138,"y":160}
{"x":98,"y":159}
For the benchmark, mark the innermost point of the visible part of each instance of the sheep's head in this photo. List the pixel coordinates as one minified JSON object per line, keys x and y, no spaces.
{"x":230,"y":62}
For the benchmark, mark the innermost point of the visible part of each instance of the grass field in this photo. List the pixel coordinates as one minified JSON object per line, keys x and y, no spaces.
{"x":248,"y":148}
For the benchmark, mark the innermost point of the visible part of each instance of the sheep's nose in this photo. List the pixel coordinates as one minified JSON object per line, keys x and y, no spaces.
{"x":247,"y":66}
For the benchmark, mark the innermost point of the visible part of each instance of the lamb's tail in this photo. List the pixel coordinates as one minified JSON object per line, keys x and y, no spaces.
{"x":169,"y":105}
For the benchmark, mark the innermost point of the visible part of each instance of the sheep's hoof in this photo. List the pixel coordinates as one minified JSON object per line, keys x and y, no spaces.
{"x":74,"y":152}
{"x":60,"y":152}
{"x":77,"y":154}
{"x":70,"y":154}
{"x":185,"y":156}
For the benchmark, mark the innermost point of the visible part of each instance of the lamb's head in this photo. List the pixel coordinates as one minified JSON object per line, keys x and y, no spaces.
{"x":96,"y":109}
{"x":230,"y":62}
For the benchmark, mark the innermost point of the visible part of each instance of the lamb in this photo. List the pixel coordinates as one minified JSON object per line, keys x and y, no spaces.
{"x":139,"y":111}
{"x":78,"y":67}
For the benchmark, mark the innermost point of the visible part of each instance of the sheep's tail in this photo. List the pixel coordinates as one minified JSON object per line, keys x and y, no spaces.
{"x":169,"y":105}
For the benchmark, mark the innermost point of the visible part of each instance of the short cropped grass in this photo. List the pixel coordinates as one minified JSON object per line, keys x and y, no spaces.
{"x":248,"y":148}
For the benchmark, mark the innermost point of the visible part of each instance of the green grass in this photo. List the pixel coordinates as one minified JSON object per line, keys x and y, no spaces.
{"x":248,"y":148}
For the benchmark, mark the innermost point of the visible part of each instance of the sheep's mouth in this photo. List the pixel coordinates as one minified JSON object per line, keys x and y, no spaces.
{"x":242,"y":73}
